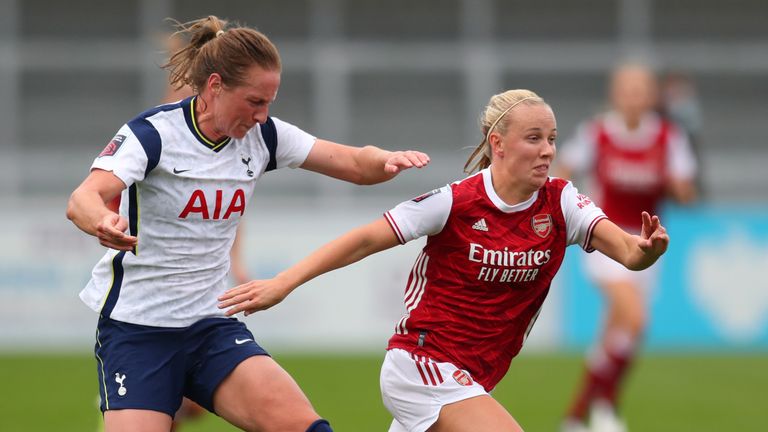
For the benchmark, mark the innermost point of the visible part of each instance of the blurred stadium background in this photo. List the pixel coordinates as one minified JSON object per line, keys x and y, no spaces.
{"x":398,"y":74}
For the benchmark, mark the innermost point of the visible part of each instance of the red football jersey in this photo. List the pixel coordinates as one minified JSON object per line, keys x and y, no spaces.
{"x":479,"y":283}
{"x":631,"y":180}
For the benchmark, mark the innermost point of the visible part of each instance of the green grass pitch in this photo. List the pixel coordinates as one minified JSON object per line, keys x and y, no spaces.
{"x":691,"y":392}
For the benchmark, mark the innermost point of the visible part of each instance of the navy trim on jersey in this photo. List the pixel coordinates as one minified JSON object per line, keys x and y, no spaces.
{"x":188,"y":107}
{"x":150,"y":140}
{"x":133,"y":212}
{"x":269,"y":133}
{"x":117,"y":283}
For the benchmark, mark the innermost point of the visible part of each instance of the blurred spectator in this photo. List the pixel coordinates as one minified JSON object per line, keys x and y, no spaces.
{"x":680,"y":103}
{"x":635,"y":158}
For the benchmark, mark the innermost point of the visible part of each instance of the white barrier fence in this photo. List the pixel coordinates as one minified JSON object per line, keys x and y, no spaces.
{"x":46,"y":260}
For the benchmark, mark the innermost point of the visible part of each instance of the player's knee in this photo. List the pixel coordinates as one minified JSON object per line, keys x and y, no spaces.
{"x":320,"y":425}
{"x":636,"y":322}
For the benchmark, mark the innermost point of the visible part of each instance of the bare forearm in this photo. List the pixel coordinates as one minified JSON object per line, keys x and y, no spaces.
{"x":635,"y":252}
{"x":347,"y":249}
{"x":352,"y":247}
{"x":371,"y":161}
{"x":637,"y":258}
{"x":86,"y":209}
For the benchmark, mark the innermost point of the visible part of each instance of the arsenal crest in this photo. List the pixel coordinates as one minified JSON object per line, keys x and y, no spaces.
{"x":542,"y":225}
{"x":462,"y":377}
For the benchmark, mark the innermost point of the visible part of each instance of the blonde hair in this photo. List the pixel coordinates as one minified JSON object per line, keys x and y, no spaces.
{"x":491,"y":119}
{"x":213,"y":48}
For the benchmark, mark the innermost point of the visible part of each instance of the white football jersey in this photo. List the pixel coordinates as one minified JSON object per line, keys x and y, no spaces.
{"x":184,"y":198}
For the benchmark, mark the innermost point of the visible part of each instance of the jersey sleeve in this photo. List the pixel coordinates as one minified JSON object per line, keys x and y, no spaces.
{"x":578,"y":152}
{"x":682,"y":162}
{"x":581,"y":217}
{"x":124,"y":156}
{"x":293,"y":144}
{"x":421,"y":216}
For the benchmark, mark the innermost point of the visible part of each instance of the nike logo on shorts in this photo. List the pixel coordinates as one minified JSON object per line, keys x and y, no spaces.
{"x":178,"y":171}
{"x":242,"y":341}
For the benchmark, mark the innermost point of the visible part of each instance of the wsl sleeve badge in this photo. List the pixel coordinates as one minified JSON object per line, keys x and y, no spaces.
{"x":113,"y":146}
{"x":422,"y":197}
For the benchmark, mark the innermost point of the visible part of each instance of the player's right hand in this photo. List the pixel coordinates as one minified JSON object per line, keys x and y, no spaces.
{"x":111,"y":233}
{"x":253,"y":296}
{"x":654,"y":239}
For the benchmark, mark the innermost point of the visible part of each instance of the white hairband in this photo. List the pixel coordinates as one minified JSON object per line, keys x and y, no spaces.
{"x":488,"y":135}
{"x":219,"y":33}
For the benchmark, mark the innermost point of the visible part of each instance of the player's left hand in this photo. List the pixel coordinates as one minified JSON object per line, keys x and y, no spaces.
{"x":654,"y":239}
{"x":252,"y":296}
{"x":402,"y":160}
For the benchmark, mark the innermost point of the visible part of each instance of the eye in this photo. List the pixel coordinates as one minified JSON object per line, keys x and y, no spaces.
{"x":258,"y":103}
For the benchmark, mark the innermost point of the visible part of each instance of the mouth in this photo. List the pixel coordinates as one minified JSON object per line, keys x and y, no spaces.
{"x":541,"y":169}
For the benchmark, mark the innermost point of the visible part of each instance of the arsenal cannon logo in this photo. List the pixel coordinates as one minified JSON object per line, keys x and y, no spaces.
{"x":542,"y":225}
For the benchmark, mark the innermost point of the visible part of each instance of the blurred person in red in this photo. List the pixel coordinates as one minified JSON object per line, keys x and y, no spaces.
{"x":636,"y":159}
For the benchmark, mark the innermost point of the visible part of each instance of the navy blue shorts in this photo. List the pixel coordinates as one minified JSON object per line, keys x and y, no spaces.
{"x":142,"y":367}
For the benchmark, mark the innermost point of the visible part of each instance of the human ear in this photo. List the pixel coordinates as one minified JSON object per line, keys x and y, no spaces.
{"x":214,"y":83}
{"x":494,"y":140}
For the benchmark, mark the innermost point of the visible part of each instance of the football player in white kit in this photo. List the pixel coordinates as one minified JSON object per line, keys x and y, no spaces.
{"x":637,"y":159}
{"x":494,"y":242}
{"x":185,"y":172}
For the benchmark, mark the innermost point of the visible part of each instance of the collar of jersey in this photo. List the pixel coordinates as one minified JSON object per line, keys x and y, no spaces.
{"x":496,"y":199}
{"x":188,"y":106}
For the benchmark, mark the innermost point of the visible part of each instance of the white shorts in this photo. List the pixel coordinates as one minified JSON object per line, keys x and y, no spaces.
{"x":602,"y":269}
{"x":415,"y":388}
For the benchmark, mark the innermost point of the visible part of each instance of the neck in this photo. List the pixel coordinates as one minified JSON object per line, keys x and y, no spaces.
{"x":632,"y":122}
{"x":509,"y":190}
{"x":205,"y":121}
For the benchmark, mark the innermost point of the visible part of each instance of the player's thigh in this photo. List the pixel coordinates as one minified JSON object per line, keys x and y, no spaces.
{"x":415,"y":388}
{"x":260,"y":395}
{"x":627,"y":304}
{"x":131,"y":420}
{"x":477,"y":414}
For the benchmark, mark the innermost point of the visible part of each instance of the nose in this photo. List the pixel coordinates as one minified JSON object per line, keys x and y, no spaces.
{"x":548,"y":151}
{"x":261,"y":114}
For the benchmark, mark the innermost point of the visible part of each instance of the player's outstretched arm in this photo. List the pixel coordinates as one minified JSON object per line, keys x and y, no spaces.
{"x":361,"y":165}
{"x":351,"y":247}
{"x":87,"y":209}
{"x":635,"y":252}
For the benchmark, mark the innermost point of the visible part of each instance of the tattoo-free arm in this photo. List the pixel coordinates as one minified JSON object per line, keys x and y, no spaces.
{"x":635,"y":252}
{"x":349,"y":248}
{"x":361,"y":165}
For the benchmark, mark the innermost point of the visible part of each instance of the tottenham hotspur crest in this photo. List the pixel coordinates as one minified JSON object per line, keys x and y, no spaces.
{"x":119,"y":379}
{"x":247,"y":162}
